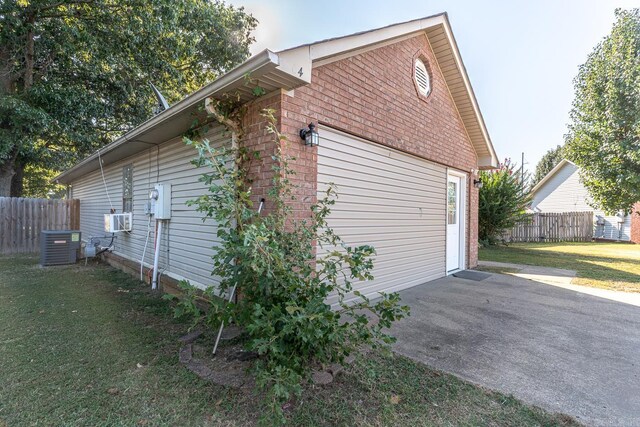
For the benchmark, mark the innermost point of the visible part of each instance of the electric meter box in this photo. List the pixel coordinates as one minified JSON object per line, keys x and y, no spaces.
{"x":162,"y":205}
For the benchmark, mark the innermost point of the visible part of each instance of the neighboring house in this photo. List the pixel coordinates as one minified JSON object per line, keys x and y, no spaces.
{"x":400,"y":133}
{"x":561,"y":191}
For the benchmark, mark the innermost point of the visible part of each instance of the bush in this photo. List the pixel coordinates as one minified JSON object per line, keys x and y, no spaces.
{"x":270,"y":259}
{"x":503,"y":202}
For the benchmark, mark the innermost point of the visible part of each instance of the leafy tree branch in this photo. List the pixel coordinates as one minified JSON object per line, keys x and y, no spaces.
{"x":604,"y":134}
{"x":75,"y":75}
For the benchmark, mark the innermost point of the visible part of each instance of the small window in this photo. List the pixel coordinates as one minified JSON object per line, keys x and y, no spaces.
{"x":127,"y":188}
{"x":452,"y":203}
{"x":423,"y":81}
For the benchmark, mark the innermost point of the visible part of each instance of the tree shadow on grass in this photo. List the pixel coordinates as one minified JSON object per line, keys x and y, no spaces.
{"x":588,"y":267}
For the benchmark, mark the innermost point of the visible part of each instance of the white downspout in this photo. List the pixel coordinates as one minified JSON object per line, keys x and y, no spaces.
{"x":156,"y":257}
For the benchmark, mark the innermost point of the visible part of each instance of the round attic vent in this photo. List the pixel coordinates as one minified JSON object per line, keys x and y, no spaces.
{"x":422,"y":78}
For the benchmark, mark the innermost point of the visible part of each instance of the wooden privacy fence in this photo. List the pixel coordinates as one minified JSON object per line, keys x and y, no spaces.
{"x":21,"y":221}
{"x":553,"y":227}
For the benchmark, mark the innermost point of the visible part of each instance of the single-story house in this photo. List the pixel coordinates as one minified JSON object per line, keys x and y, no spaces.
{"x":561,"y":191}
{"x":400,"y":134}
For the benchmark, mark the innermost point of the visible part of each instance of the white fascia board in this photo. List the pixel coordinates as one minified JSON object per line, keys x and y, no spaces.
{"x":340,"y":45}
{"x":474,"y":102}
{"x":551,"y":173}
{"x":487,"y":162}
{"x":297,"y":62}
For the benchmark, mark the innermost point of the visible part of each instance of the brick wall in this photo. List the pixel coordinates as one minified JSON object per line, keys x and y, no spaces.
{"x":257,"y":138}
{"x":635,"y":224}
{"x":373,"y":95}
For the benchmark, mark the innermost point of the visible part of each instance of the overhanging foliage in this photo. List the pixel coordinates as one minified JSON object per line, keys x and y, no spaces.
{"x":74,"y":75}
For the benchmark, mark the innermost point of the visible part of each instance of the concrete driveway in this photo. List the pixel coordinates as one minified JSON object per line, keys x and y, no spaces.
{"x":559,"y":349}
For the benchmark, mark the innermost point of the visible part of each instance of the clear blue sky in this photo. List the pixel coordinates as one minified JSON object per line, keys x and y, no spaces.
{"x":521,"y":56}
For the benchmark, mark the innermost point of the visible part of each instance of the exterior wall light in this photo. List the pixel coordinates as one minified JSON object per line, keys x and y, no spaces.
{"x":477,"y":183}
{"x":310,"y":136}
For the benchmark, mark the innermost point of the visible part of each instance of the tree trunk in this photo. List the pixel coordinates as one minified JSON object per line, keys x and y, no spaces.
{"x":7,"y":75}
{"x":6,"y":176}
{"x":7,"y":170}
{"x":29,"y":54}
{"x":17,"y":182}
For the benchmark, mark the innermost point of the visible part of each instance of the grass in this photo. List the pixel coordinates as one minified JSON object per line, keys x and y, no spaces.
{"x":90,"y":346}
{"x":614,"y":266}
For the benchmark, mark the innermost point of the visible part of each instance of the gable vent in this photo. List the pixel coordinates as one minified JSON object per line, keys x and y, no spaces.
{"x":422,"y":78}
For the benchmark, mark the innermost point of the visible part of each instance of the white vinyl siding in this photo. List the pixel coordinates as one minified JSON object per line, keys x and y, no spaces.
{"x":187,"y":241}
{"x":390,"y":200}
{"x":564,"y":192}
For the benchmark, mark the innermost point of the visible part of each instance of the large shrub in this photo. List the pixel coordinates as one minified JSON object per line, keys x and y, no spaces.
{"x":503,"y":202}
{"x":270,"y":258}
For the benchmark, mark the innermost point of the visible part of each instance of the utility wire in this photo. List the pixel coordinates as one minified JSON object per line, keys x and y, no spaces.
{"x":104,"y":181}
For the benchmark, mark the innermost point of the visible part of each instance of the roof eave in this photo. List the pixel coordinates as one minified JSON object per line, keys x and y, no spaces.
{"x":551,"y":173}
{"x":264,"y":65}
{"x":290,"y":69}
{"x":483,"y":163}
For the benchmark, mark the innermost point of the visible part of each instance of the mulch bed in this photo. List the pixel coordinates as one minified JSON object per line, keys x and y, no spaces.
{"x":231,"y":364}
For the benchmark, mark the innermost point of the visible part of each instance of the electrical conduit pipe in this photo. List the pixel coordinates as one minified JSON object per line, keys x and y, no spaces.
{"x":144,"y":251}
{"x":156,"y":256}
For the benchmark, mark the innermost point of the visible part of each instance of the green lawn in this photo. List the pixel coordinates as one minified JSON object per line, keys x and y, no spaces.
{"x":613,"y":266}
{"x":89,"y":346}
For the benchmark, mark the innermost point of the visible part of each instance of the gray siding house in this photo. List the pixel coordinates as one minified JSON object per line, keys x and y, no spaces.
{"x":561,"y":191}
{"x":188,"y":256}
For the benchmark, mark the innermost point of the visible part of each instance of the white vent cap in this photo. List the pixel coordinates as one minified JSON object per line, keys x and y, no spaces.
{"x":422,"y":78}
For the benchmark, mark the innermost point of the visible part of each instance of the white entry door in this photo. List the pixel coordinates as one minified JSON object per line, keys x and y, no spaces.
{"x":455,"y":220}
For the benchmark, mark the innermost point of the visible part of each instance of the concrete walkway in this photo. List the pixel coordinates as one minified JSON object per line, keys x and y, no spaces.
{"x":562,"y":350}
{"x":563,"y":278}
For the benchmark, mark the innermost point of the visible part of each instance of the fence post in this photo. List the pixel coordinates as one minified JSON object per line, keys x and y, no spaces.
{"x":75,"y":214}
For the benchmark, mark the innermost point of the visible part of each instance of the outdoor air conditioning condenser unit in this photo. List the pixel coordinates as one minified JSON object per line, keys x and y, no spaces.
{"x":59,"y":247}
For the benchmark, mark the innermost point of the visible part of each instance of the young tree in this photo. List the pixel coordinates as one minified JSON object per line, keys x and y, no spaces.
{"x":546,"y":163}
{"x":75,"y":74}
{"x":503,"y":202}
{"x":604,"y":134}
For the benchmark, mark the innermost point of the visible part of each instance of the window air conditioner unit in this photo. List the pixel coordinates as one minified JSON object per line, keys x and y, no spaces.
{"x":114,"y":223}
